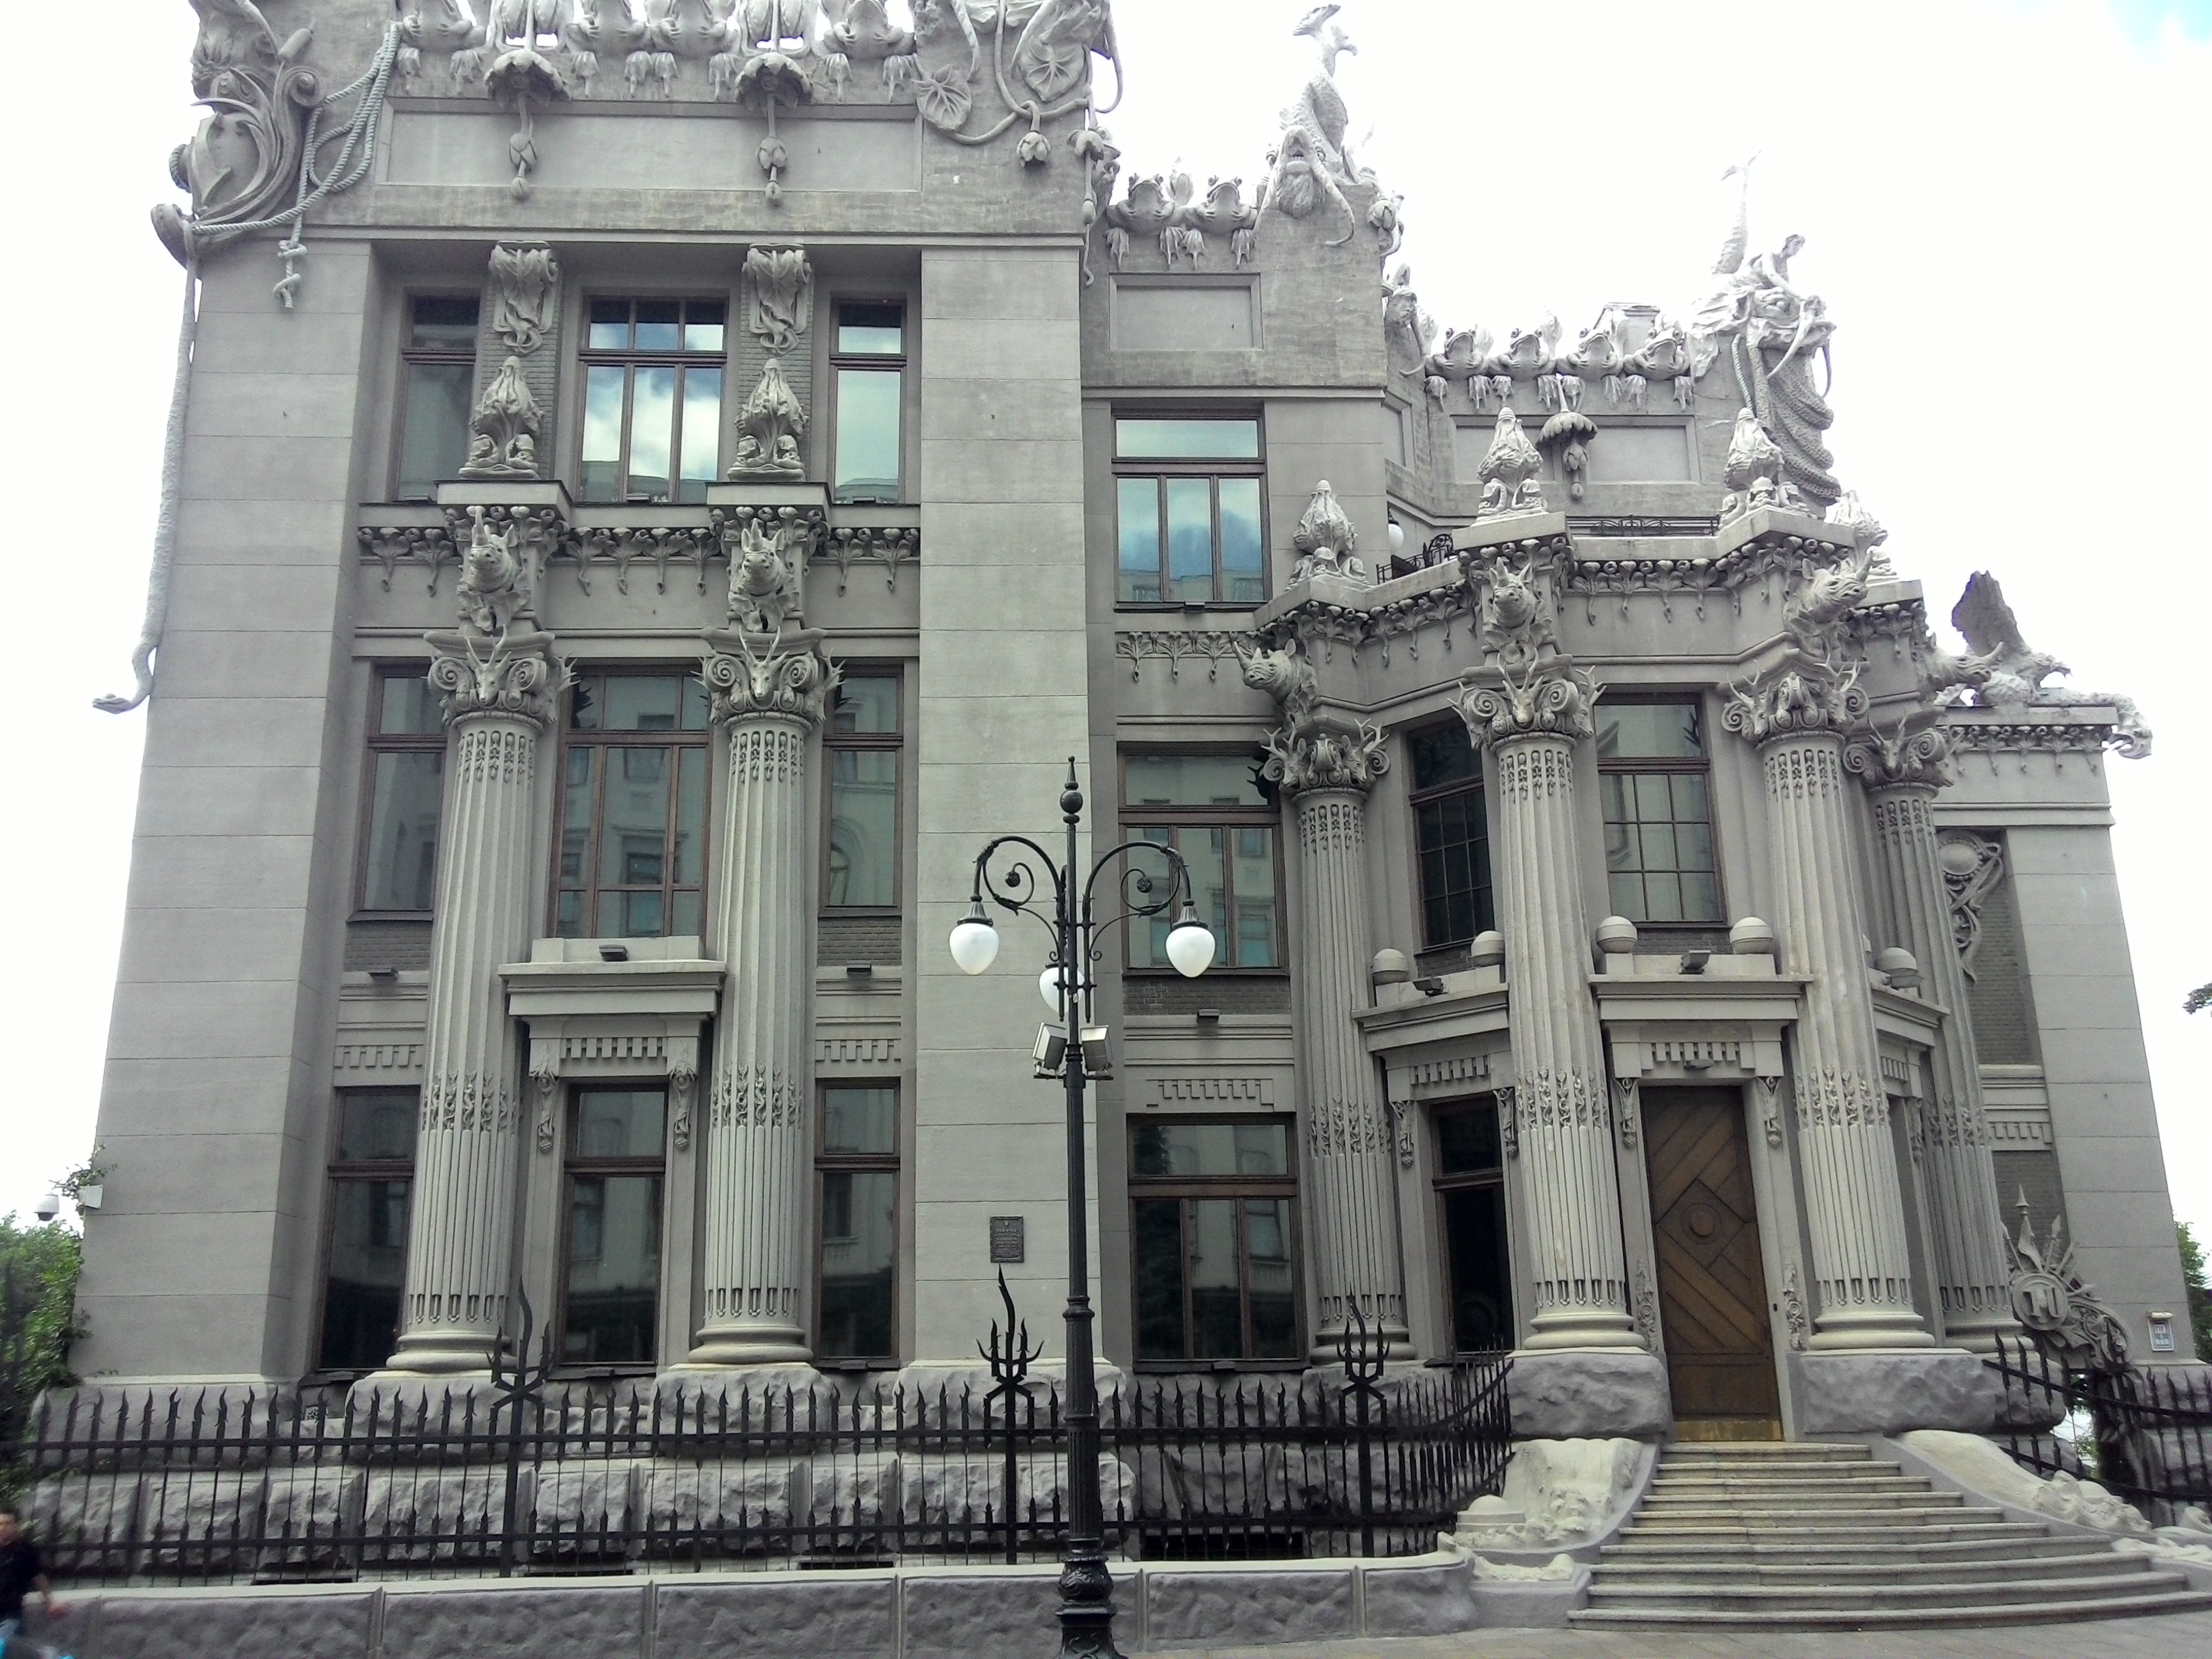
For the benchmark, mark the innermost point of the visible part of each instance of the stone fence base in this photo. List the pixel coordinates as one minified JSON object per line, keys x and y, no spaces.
{"x":909,"y":1613}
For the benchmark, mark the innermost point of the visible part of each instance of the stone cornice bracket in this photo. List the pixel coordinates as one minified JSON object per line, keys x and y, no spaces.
{"x":1284,"y":672}
{"x":525,"y":293}
{"x":1552,"y":698}
{"x":1515,"y":586}
{"x":515,"y":675}
{"x":1915,"y":754}
{"x":503,"y":551}
{"x":767,"y":547}
{"x":1813,"y":687}
{"x":1326,"y":542}
{"x":751,"y":675}
{"x":779,"y":297}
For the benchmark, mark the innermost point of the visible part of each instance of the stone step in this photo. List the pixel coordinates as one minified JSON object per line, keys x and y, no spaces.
{"x":1808,"y":1470}
{"x":1901,"y":1569}
{"x":1762,"y":1451}
{"x":1713,"y":1533}
{"x":1782,"y":1497}
{"x":1784,"y":1599}
{"x":2055,"y":1612}
{"x":1847,"y":1549}
{"x":1810,"y":1490}
{"x":1826,"y":1515}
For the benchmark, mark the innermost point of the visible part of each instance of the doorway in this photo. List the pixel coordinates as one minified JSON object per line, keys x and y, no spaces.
{"x":1712,"y":1280}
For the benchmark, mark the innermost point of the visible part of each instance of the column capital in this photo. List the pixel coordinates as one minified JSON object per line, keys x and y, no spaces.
{"x":514,"y":674}
{"x":1326,"y":752}
{"x":1915,"y":755}
{"x":761,"y":676}
{"x":1552,"y":699}
{"x":1814,"y":686}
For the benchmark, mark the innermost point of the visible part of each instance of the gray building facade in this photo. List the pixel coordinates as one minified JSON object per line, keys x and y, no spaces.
{"x":709,"y":472}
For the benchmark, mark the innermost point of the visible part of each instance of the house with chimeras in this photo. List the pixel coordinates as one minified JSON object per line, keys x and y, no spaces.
{"x":656,"y":487}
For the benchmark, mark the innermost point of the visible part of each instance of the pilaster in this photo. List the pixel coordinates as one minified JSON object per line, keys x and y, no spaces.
{"x":1902,"y":771}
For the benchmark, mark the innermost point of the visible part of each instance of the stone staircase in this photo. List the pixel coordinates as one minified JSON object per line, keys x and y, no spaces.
{"x":1827,"y":1538}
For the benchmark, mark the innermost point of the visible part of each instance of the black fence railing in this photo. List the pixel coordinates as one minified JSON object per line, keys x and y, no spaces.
{"x":2144,"y":1433}
{"x":534,"y":1475}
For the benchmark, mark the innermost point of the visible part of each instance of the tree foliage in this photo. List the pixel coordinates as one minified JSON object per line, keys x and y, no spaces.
{"x":2200,"y":1290}
{"x":38,"y":1313}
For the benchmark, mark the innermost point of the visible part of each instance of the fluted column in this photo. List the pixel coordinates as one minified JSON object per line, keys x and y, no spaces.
{"x":1528,"y":728}
{"x":771,"y":693}
{"x":1902,"y":774}
{"x":499,"y":700}
{"x":1350,"y":1171}
{"x":1861,"y":1264}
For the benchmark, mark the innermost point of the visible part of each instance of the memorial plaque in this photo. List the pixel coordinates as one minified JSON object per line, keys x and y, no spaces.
{"x":1007,"y":1240}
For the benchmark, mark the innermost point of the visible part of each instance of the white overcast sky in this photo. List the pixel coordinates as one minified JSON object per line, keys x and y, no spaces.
{"x":2005,"y":205}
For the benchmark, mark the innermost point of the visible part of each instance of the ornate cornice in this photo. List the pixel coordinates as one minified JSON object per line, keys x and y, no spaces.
{"x":753,"y":676}
{"x":515,"y":675}
{"x":1180,"y":645}
{"x":1552,"y":699}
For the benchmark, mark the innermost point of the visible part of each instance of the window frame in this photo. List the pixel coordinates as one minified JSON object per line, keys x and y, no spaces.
{"x":1183,"y":1189}
{"x":1442,"y":1181}
{"x":380,"y":742}
{"x":1135,"y":819}
{"x":895,"y":743}
{"x":410,"y":354}
{"x":630,"y":1164}
{"x":629,"y":359}
{"x":898,"y":362}
{"x":1212,"y":469}
{"x":1416,"y":799}
{"x":1700,"y":766}
{"x":339,"y":1171}
{"x":569,"y":736}
{"x":827,"y":1163}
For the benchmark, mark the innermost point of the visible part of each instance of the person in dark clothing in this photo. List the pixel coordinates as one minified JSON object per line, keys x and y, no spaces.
{"x":21,"y":1572}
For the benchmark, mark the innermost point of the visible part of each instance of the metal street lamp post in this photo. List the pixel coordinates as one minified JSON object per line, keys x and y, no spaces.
{"x":1075,"y":1052}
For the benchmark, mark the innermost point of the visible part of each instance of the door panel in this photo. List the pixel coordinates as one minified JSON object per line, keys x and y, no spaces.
{"x":1712,"y":1282}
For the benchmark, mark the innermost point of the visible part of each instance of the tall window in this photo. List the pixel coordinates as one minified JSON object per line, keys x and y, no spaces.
{"x":868,"y":363}
{"x":1208,"y":808}
{"x":611,"y":1296}
{"x":365,"y":1258}
{"x":652,"y":399}
{"x":1471,"y":1203}
{"x":406,"y":771}
{"x":1212,"y":1206}
{"x":1652,"y":777}
{"x":861,"y":856}
{"x":858,"y":1168}
{"x":437,"y":392}
{"x":1451,"y":830}
{"x":1187,"y":507}
{"x":633,"y":807}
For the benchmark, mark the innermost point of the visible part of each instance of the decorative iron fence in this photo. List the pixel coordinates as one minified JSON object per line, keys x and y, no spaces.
{"x":534,"y":1475}
{"x":2142,"y":1432}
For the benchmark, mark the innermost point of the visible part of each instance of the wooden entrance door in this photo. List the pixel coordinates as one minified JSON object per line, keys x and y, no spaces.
{"x":1713,"y":1283}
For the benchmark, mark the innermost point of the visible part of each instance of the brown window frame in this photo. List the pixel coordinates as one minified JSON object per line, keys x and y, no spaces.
{"x":1135,"y":819}
{"x":1182,"y":1189}
{"x":827,"y":1163}
{"x":340,"y":1171}
{"x":379,"y":741}
{"x":1701,"y":766}
{"x":895,"y":742}
{"x":1441,"y":1183}
{"x":898,"y":363}
{"x":630,"y":359}
{"x":573,"y":1163}
{"x":409,"y":354}
{"x":1486,"y":909}
{"x":569,"y":736}
{"x":1214,"y":470}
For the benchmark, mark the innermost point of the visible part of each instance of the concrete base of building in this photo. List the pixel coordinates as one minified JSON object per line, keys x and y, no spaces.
{"x":914,"y":1612}
{"x":1584,"y":1394}
{"x":1885,"y":1393}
